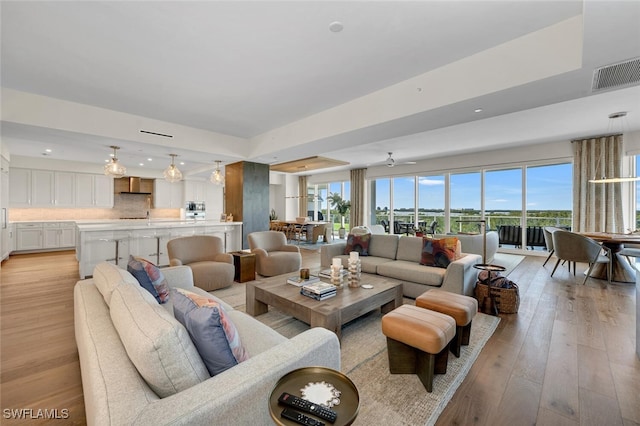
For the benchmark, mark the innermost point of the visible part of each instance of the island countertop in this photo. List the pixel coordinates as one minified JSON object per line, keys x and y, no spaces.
{"x":114,"y":240}
{"x":132,"y":224}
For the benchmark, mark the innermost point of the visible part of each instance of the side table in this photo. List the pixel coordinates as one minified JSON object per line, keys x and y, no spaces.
{"x":320,"y":383}
{"x":245,"y":264}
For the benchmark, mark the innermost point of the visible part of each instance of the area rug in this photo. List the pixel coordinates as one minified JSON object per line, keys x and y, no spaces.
{"x":398,"y":399}
{"x":509,"y":261}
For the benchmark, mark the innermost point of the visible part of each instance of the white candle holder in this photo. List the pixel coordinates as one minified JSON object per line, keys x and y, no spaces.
{"x":353,"y":271}
{"x":336,"y":275}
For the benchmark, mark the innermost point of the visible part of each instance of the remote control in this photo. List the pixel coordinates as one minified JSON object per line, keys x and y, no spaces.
{"x":300,"y":418}
{"x":307,"y":406}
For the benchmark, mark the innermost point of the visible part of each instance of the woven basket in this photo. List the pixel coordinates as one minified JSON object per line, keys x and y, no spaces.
{"x":505,"y":300}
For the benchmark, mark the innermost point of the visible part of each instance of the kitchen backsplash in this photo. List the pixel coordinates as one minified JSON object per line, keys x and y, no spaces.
{"x":30,"y":214}
{"x":132,"y":206}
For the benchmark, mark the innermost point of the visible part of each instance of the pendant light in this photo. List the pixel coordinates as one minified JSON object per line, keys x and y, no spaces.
{"x":113,"y":168}
{"x":217,"y":177}
{"x":171,"y":173}
{"x":612,"y":118}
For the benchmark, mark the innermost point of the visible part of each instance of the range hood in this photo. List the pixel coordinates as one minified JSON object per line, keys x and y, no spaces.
{"x":130,"y":185}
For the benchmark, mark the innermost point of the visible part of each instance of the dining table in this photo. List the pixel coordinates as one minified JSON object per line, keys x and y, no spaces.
{"x":313,"y":229}
{"x":621,"y":270}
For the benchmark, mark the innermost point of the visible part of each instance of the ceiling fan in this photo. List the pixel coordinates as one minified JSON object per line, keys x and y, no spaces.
{"x":390,"y":162}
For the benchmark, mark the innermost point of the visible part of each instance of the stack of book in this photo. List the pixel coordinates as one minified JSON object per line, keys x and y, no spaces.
{"x":326,"y":273}
{"x":319,"y":290}
{"x":297,"y":281}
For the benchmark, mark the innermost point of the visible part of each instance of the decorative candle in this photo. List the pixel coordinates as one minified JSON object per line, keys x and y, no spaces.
{"x":336,"y":261}
{"x":354,"y":255}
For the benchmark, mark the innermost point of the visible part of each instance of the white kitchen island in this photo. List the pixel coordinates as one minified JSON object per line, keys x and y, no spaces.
{"x":114,"y":241}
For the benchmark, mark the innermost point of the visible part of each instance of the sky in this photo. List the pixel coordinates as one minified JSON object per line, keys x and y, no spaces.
{"x":548,"y":188}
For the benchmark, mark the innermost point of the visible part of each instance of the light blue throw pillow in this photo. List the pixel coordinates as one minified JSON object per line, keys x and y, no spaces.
{"x":211,"y":330}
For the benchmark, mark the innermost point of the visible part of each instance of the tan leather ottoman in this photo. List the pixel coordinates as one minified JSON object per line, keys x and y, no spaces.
{"x":461,"y":308}
{"x":418,"y":342}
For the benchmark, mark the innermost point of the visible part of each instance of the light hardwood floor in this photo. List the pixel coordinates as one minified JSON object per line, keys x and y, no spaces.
{"x":568,"y":356}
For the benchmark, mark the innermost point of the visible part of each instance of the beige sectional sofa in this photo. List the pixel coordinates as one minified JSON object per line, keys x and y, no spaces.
{"x":398,"y":257}
{"x":133,"y":350}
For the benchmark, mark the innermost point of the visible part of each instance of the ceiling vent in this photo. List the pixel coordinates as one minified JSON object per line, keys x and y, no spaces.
{"x":617,"y":75}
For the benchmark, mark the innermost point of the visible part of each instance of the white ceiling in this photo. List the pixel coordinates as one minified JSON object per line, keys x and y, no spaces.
{"x":245,"y":69}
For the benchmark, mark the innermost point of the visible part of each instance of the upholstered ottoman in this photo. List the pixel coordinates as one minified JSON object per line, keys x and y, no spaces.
{"x":461,"y":308}
{"x":418,"y":342}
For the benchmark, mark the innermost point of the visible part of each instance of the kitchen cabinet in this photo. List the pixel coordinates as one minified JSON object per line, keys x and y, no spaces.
{"x":93,"y":190}
{"x":168,"y":195}
{"x":41,"y":188}
{"x":42,"y":192}
{"x":194,"y":190}
{"x":44,"y":236}
{"x":20,"y":188}
{"x":6,"y":235}
{"x":58,"y":235}
{"x":29,"y":236}
{"x":64,"y":189}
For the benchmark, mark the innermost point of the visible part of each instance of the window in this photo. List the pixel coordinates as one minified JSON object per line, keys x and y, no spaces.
{"x":459,"y":201}
{"x":549,"y":200}
{"x":466,"y":196}
{"x":380,"y":199}
{"x":404,"y":204}
{"x":431,"y":201}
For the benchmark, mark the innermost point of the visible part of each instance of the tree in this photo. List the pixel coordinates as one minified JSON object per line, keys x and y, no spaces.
{"x":339,"y":205}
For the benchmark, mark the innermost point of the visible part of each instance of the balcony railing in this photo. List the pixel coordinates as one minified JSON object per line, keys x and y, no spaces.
{"x":508,"y":227}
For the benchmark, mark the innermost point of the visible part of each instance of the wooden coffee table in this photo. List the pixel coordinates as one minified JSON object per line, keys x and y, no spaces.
{"x":347,"y":305}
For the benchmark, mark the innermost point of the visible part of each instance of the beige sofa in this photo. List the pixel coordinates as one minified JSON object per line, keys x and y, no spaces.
{"x":131,"y":349}
{"x":399,"y":258}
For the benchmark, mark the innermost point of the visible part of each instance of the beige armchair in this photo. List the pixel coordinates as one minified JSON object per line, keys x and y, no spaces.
{"x":273,"y":255}
{"x":212,"y":268}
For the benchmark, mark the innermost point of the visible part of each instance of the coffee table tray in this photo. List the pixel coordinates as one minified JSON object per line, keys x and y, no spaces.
{"x":294,"y":381}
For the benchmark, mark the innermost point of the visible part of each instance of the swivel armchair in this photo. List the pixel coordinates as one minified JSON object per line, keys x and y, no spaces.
{"x":273,"y":255}
{"x":212,"y":268}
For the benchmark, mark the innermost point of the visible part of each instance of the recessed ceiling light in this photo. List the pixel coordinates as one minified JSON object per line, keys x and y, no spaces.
{"x":142,"y":164}
{"x":182,"y":163}
{"x":477,"y":110}
{"x":47,"y":150}
{"x":149,"y":159}
{"x":336,"y":26}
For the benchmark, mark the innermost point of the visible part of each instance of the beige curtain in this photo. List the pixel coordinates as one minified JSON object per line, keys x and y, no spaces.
{"x":302,"y":193}
{"x":357,"y":197}
{"x":597,"y":207}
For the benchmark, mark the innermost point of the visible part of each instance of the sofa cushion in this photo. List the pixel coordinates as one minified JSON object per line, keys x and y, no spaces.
{"x":358,"y":243}
{"x":369,"y":264}
{"x":439,"y":252}
{"x":107,"y":277}
{"x":412,"y":272}
{"x":383,"y":245}
{"x":149,"y":277}
{"x":410,"y":249}
{"x":211,"y":330}
{"x":156,"y":343}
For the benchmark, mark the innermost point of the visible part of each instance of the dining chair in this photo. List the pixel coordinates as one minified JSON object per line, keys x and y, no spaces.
{"x":548,"y":241}
{"x":573,"y":247}
{"x":630,"y":251}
